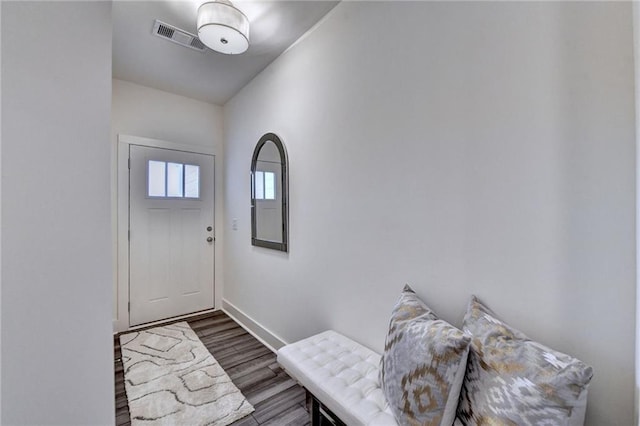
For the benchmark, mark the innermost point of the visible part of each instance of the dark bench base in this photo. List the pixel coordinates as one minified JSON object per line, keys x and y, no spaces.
{"x":321,"y":415}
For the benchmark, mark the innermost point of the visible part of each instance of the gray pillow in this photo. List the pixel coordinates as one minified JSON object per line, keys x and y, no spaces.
{"x":512,"y":380}
{"x":423,"y":364}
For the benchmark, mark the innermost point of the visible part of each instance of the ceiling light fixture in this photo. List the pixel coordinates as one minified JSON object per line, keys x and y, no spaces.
{"x":223,"y":28}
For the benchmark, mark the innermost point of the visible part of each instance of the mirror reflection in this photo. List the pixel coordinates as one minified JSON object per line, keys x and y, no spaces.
{"x":269,"y":194}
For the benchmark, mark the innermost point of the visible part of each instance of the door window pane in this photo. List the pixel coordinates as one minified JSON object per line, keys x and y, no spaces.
{"x":175,"y":180}
{"x":156,"y":178}
{"x":259,"y":185}
{"x":191,"y":181}
{"x":269,"y":186}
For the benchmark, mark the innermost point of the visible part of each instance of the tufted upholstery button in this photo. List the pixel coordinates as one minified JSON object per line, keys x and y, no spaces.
{"x":342,"y":374}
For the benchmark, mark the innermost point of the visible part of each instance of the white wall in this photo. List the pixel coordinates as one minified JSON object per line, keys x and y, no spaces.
{"x":636,"y":56}
{"x":465,"y":148}
{"x":57,"y":346}
{"x":0,"y":213}
{"x":150,"y":113}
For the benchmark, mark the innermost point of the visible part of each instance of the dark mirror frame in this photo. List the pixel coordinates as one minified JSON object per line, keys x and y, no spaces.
{"x":283,"y":246}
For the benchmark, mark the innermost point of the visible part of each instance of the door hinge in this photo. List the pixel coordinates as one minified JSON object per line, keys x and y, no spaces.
{"x":129,"y":306}
{"x":129,"y":235}
{"x":129,"y":163}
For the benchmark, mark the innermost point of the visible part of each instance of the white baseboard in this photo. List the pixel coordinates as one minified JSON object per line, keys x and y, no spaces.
{"x":266,"y":337}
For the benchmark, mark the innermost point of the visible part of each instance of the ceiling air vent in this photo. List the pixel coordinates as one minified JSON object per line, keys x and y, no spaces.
{"x":178,"y":36}
{"x":197,"y":44}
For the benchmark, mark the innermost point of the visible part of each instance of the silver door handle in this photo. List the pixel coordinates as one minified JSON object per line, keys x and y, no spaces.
{"x":209,"y":239}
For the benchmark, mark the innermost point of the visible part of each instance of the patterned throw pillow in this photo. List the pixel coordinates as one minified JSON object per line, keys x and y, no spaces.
{"x":423,"y":364}
{"x":512,"y":380}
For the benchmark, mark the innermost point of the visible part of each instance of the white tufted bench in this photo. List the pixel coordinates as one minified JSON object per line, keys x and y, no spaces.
{"x":342,"y":375}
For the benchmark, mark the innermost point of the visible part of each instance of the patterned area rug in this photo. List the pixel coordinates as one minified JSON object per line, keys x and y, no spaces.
{"x":172,"y":379}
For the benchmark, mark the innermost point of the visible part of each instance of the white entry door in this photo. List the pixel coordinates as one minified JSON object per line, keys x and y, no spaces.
{"x":171,"y":240}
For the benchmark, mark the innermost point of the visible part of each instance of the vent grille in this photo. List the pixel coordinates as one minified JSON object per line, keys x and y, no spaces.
{"x":196,"y":43}
{"x":178,"y":36}
{"x":165,"y":31}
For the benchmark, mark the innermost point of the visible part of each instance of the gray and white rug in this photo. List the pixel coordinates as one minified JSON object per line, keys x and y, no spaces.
{"x":172,"y":379}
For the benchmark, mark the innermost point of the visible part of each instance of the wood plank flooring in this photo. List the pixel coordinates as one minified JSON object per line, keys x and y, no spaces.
{"x":277,"y":399}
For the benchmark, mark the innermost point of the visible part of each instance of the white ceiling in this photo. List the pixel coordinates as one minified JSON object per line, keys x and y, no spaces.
{"x":140,"y":57}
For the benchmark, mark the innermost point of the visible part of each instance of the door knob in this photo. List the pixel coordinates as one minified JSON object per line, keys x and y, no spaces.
{"x":209,"y":239}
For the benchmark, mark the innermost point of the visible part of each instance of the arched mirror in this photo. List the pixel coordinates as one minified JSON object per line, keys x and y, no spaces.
{"x":269,"y":194}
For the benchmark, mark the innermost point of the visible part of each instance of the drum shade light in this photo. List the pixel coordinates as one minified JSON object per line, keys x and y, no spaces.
{"x":223,"y":28}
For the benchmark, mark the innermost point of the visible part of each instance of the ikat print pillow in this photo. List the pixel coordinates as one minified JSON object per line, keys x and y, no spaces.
{"x":423,"y":364}
{"x":512,"y":380}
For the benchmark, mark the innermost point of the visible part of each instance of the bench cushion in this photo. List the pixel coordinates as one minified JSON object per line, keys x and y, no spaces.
{"x":342,"y":374}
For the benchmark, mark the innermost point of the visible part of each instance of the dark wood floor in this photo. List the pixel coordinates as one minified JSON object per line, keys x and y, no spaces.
{"x":277,"y":399}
